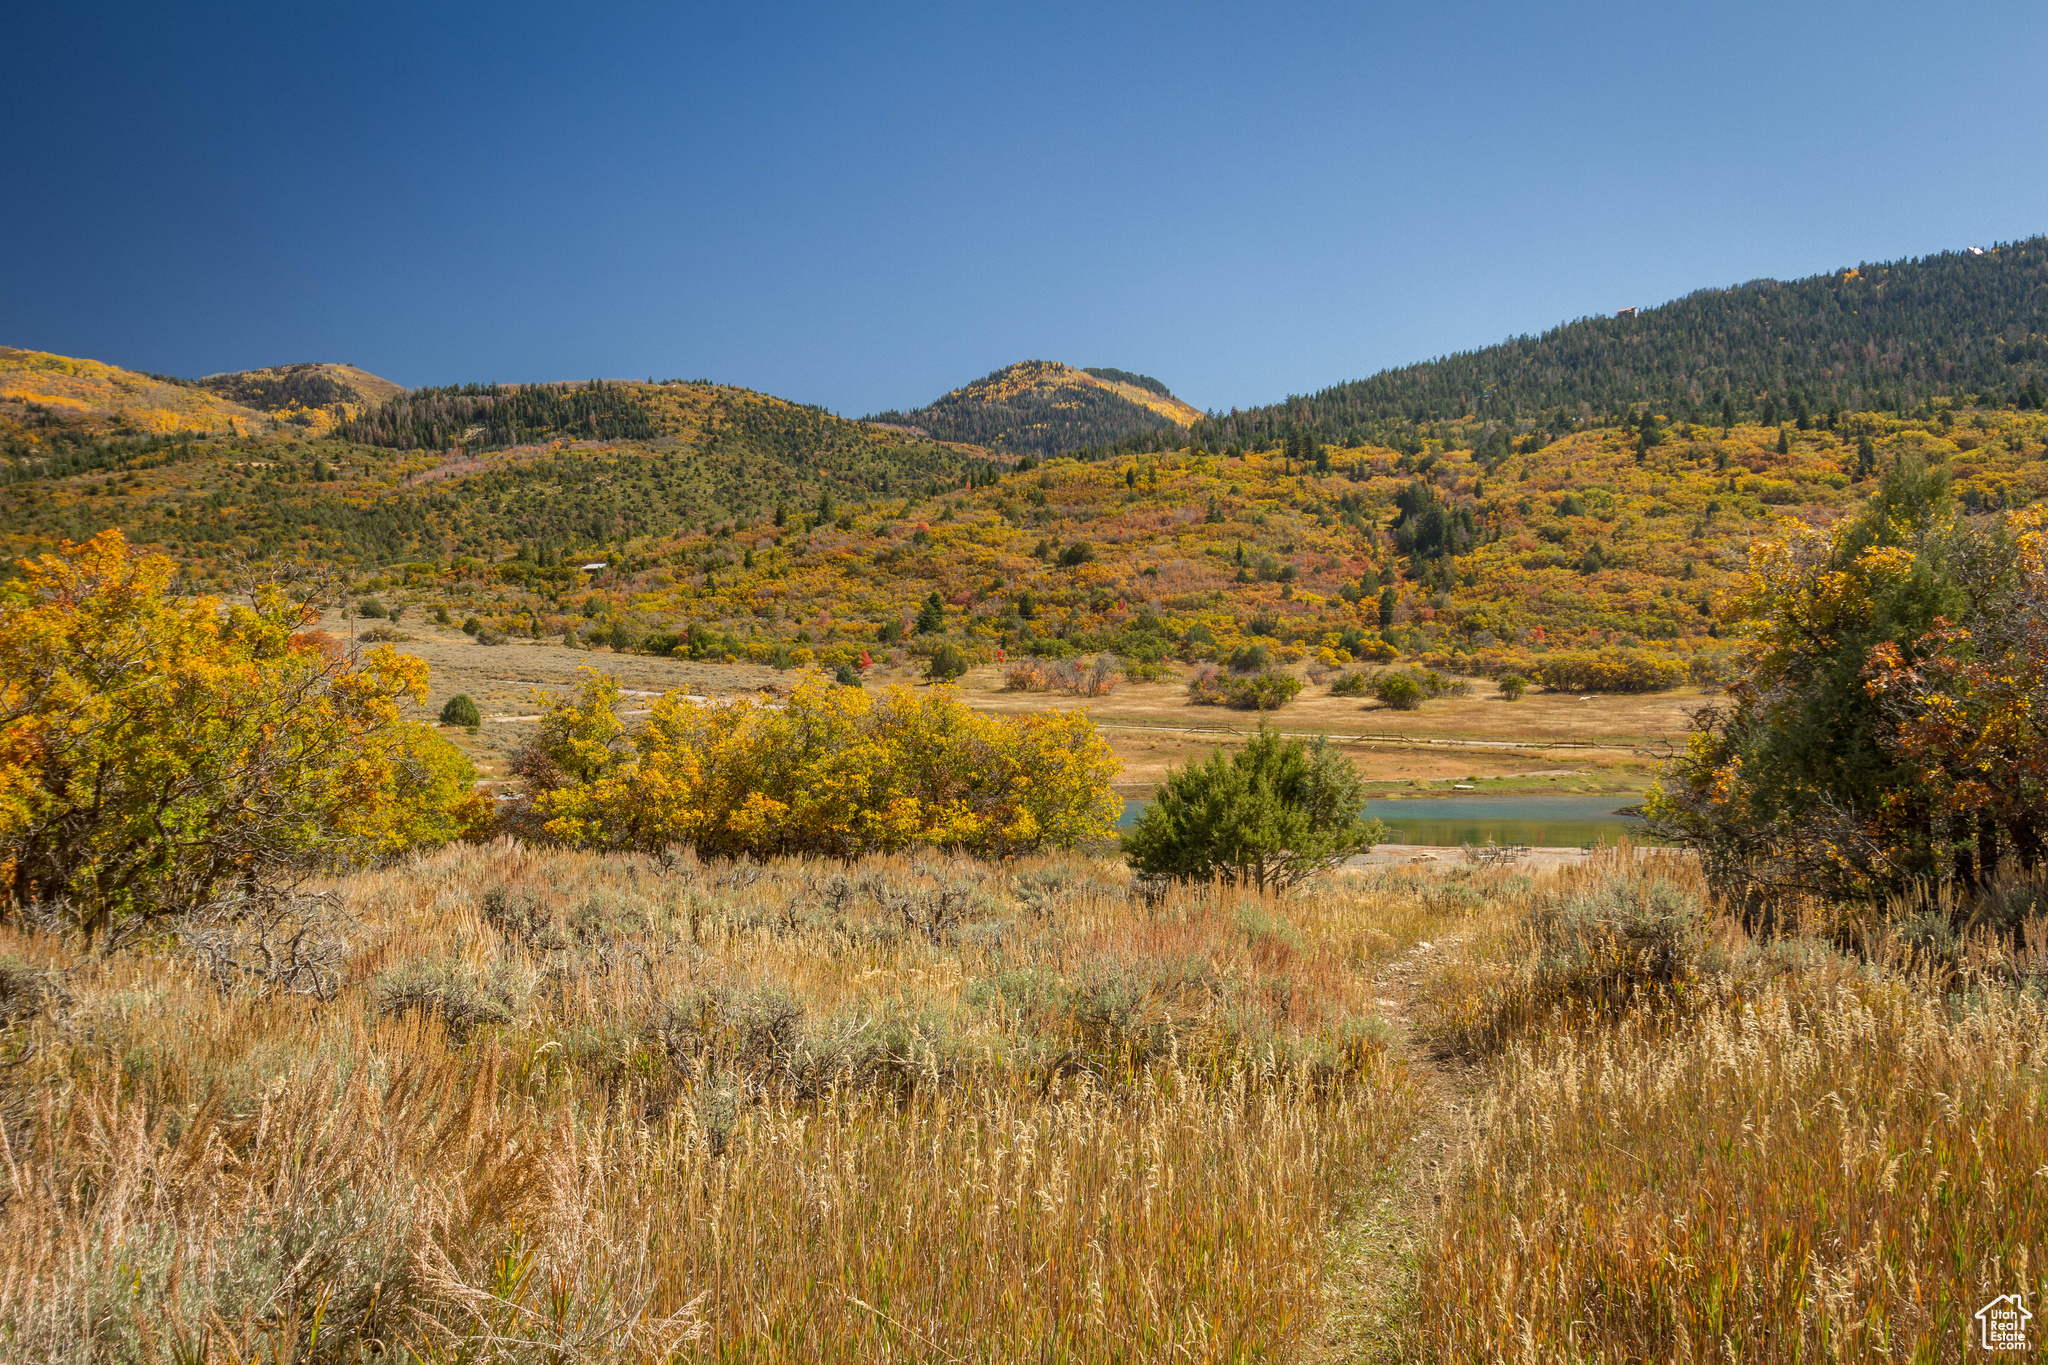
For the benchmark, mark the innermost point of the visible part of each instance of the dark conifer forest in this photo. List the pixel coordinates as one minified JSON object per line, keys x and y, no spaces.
{"x":1885,"y":337}
{"x":496,"y":415}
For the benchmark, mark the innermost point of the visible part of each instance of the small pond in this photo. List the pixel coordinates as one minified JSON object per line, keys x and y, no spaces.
{"x":1448,"y":821}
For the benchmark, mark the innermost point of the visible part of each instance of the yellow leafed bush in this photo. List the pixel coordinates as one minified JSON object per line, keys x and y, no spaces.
{"x":1612,"y":670}
{"x":156,"y":752}
{"x":836,"y":772}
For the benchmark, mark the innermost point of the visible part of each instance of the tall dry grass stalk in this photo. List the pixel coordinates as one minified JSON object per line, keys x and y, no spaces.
{"x":1767,"y":1153}
{"x":565,"y":1106}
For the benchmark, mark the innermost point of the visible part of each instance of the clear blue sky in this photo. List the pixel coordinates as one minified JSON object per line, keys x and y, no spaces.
{"x":863,"y":206}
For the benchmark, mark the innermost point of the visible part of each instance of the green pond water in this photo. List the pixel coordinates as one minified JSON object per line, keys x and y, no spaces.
{"x":1448,"y":821}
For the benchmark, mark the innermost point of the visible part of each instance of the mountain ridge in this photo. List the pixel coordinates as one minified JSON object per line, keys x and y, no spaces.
{"x":1888,"y":335}
{"x":1046,"y":407}
{"x":55,"y":400}
{"x":307,"y":384}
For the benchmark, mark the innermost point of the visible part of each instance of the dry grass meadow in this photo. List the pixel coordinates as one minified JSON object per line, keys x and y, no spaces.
{"x":1546,"y":742}
{"x":535,"y":1105}
{"x":567,"y":1107}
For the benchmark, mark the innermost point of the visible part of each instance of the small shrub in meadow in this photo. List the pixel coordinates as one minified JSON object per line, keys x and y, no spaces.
{"x":947,"y":662}
{"x":1268,"y":691}
{"x":1618,"y":935}
{"x":1272,"y":814}
{"x":460,"y":710}
{"x":1398,"y":690}
{"x":461,"y":997}
{"x":1409,"y":688}
{"x":1101,"y":677}
{"x":25,"y":990}
{"x":1027,"y":675}
{"x":1623,"y":932}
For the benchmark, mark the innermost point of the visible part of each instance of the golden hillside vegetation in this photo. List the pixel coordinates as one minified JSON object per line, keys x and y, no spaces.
{"x":431,"y":487}
{"x":40,"y":391}
{"x":1579,"y":544}
{"x":773,"y":531}
{"x":312,"y":396}
{"x":48,"y":399}
{"x":1166,"y":405}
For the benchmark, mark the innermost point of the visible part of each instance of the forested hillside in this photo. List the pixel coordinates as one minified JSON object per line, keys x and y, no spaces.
{"x":594,"y":468}
{"x":280,"y":388}
{"x":1041,"y":407}
{"x":1875,"y":337}
{"x":1478,"y":510}
{"x":1609,"y":539}
{"x":480,"y":415}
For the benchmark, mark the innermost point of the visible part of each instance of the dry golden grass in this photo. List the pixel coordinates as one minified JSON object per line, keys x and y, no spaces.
{"x":571,"y":1107}
{"x":1765,"y":1153}
{"x":1150,"y":726}
{"x":898,"y":1111}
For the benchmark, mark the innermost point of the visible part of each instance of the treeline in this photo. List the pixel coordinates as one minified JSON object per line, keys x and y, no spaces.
{"x":66,"y":451}
{"x":498,"y":415}
{"x":1880,"y":337}
{"x":1029,"y":409}
{"x":1115,"y":376}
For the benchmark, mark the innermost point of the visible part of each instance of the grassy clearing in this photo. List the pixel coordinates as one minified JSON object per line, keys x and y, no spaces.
{"x":1150,"y":726}
{"x":566,"y":1104}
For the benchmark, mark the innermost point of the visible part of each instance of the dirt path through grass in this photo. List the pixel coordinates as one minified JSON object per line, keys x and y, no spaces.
{"x":1373,"y":1251}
